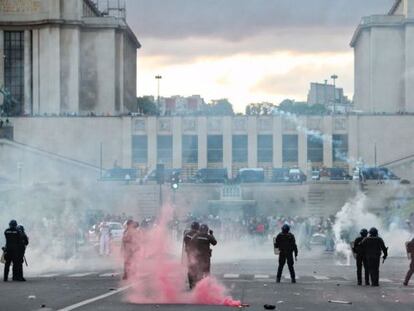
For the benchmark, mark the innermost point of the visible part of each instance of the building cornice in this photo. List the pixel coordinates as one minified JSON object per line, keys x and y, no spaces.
{"x":89,"y":23}
{"x":379,"y":21}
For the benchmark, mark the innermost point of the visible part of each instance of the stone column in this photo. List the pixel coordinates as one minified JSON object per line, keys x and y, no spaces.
{"x":1,"y":63}
{"x":36,"y":71}
{"x":252,"y":142}
{"x":27,"y":72}
{"x":202,"y":142}
{"x":227,"y":145}
{"x":407,"y":104}
{"x":152,"y":142}
{"x":127,"y":142}
{"x":177,"y":142}
{"x":353,"y":141}
{"x":303,"y":145}
{"x":327,"y":141}
{"x":277,"y":142}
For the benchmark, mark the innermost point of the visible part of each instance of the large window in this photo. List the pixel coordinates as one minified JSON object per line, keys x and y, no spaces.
{"x":139,"y":149}
{"x":215,"y":148}
{"x":164,"y":149}
{"x":315,"y":148}
{"x":339,"y":148}
{"x":265,"y":148}
{"x":14,"y":70}
{"x":190,"y":149}
{"x":290,"y":148}
{"x":239,"y":151}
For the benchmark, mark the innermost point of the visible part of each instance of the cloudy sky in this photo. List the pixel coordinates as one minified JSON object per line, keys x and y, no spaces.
{"x":246,"y":50}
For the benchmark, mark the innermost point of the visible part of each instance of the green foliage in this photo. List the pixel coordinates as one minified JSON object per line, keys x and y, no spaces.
{"x":221,"y":107}
{"x":146,"y":106}
{"x":301,"y":108}
{"x":259,"y":109}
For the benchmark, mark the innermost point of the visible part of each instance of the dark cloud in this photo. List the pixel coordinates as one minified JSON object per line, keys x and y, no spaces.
{"x":234,"y":20}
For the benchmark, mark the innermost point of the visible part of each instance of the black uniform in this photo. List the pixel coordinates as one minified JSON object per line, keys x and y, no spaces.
{"x":286,"y":244}
{"x":361,"y":260}
{"x":189,"y":249}
{"x":410,"y":250}
{"x":372,"y":247}
{"x":202,"y":242}
{"x":15,"y":246}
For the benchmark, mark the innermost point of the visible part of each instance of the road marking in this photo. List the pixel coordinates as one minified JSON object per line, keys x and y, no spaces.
{"x":261,"y":276}
{"x":109,"y":274}
{"x":79,"y":275}
{"x":48,"y":275}
{"x":321,"y":277}
{"x":385,"y":280}
{"x":91,"y":300}
{"x":231,"y":276}
{"x":287,"y":277}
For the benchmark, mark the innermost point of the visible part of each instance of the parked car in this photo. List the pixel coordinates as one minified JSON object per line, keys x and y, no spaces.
{"x":316,"y":175}
{"x":337,"y":173}
{"x":280,"y":175}
{"x":168,"y":172}
{"x":210,"y":175}
{"x":296,"y":175}
{"x":120,"y":174}
{"x":250,"y":175}
{"x":378,"y":173}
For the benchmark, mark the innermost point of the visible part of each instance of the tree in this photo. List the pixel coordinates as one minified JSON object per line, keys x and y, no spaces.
{"x":146,"y":106}
{"x":221,"y":107}
{"x":301,"y":108}
{"x":259,"y":109}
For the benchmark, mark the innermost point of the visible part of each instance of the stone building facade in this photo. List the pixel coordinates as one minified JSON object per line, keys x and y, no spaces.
{"x":66,"y":57}
{"x":384,"y":61}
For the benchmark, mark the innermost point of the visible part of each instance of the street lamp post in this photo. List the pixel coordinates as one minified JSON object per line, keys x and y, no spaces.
{"x":158,"y":78}
{"x":334,"y":77}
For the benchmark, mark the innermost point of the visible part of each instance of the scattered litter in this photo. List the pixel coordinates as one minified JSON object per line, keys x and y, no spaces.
{"x":296,"y":294}
{"x":280,"y":301}
{"x":244,"y":305}
{"x":338,"y":284}
{"x":43,"y":306}
{"x":397,"y":300}
{"x":31,"y":297}
{"x":382,"y":296}
{"x":264,"y":285}
{"x":269,"y":307}
{"x":341,"y":302}
{"x":112,"y":289}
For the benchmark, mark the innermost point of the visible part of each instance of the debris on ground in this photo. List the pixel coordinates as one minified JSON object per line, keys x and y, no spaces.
{"x":31,"y":297}
{"x":269,"y":307}
{"x":341,"y":302}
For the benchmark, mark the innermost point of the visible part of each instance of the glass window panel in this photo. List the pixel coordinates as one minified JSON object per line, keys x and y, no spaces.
{"x":139,"y":149}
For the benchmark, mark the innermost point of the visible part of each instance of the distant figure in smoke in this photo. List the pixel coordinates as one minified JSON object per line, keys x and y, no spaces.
{"x":14,"y":251}
{"x":202,"y":241}
{"x":190,"y":251}
{"x":410,"y":250}
{"x":372,"y":247}
{"x":130,"y":245}
{"x":361,"y":260}
{"x":286,"y":243}
{"x":104,"y":239}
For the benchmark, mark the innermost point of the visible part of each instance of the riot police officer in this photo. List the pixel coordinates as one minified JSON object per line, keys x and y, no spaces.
{"x":361,"y":260}
{"x":372,"y":246}
{"x":285,"y":242}
{"x":14,"y":252}
{"x":410,"y":250}
{"x":189,"y":249}
{"x":202,"y":241}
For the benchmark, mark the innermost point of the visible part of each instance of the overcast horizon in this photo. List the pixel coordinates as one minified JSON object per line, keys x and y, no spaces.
{"x":246,"y":51}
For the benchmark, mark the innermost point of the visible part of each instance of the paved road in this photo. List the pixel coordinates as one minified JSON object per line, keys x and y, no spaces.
{"x":252,"y":281}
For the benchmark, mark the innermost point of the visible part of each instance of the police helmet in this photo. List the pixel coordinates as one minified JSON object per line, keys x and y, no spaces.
{"x":364,"y":232}
{"x":13,"y":224}
{"x":285,"y":228}
{"x":129,"y":222}
{"x":195,"y":225}
{"x":373,"y":231}
{"x":20,"y":228}
{"x":203,"y":228}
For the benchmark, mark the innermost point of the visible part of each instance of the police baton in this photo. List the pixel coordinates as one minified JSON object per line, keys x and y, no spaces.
{"x":25,"y":261}
{"x":384,"y":258}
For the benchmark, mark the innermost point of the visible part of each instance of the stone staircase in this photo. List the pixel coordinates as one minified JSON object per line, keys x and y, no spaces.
{"x":315,"y":201}
{"x":148,"y":201}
